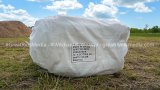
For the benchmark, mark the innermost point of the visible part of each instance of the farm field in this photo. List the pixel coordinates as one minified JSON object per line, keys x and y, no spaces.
{"x":141,"y":70}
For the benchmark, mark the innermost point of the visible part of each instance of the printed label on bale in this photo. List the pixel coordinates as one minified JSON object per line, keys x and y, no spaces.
{"x":83,"y":53}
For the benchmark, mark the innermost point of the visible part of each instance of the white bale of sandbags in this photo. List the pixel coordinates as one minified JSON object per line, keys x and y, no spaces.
{"x":78,"y":47}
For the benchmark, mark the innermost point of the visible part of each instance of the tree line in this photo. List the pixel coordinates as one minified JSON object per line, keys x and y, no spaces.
{"x":154,"y":29}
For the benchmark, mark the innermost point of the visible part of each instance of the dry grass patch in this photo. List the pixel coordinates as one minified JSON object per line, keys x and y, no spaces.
{"x":141,"y":71}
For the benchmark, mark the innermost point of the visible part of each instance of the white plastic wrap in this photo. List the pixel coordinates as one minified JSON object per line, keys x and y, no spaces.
{"x":77,"y":47}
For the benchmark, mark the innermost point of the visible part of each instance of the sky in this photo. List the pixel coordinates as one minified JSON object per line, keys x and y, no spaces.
{"x":133,"y":13}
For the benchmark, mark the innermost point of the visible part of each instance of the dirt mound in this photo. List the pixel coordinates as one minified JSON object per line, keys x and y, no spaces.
{"x":13,"y":29}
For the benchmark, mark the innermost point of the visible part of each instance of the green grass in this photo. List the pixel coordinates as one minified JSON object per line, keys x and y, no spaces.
{"x":146,"y":34}
{"x":141,"y":71}
{"x":2,"y":40}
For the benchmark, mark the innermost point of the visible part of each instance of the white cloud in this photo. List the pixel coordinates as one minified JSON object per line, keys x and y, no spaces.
{"x":37,"y":0}
{"x":100,"y":11}
{"x":10,"y":13}
{"x":140,"y":7}
{"x":126,"y":2}
{"x":137,"y":5}
{"x":131,"y":2}
{"x":108,"y":9}
{"x":122,"y":13}
{"x":62,"y":6}
{"x":6,"y":8}
{"x":108,"y":2}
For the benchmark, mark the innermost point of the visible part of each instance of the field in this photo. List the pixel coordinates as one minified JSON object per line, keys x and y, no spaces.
{"x":141,"y":71}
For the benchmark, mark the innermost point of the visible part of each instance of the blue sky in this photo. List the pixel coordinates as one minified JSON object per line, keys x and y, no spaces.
{"x":133,"y":13}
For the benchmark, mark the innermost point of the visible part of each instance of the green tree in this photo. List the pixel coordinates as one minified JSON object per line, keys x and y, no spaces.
{"x":155,"y":29}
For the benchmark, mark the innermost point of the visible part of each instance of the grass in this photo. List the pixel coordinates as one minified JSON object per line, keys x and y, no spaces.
{"x":141,"y":71}
{"x":146,"y":34}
